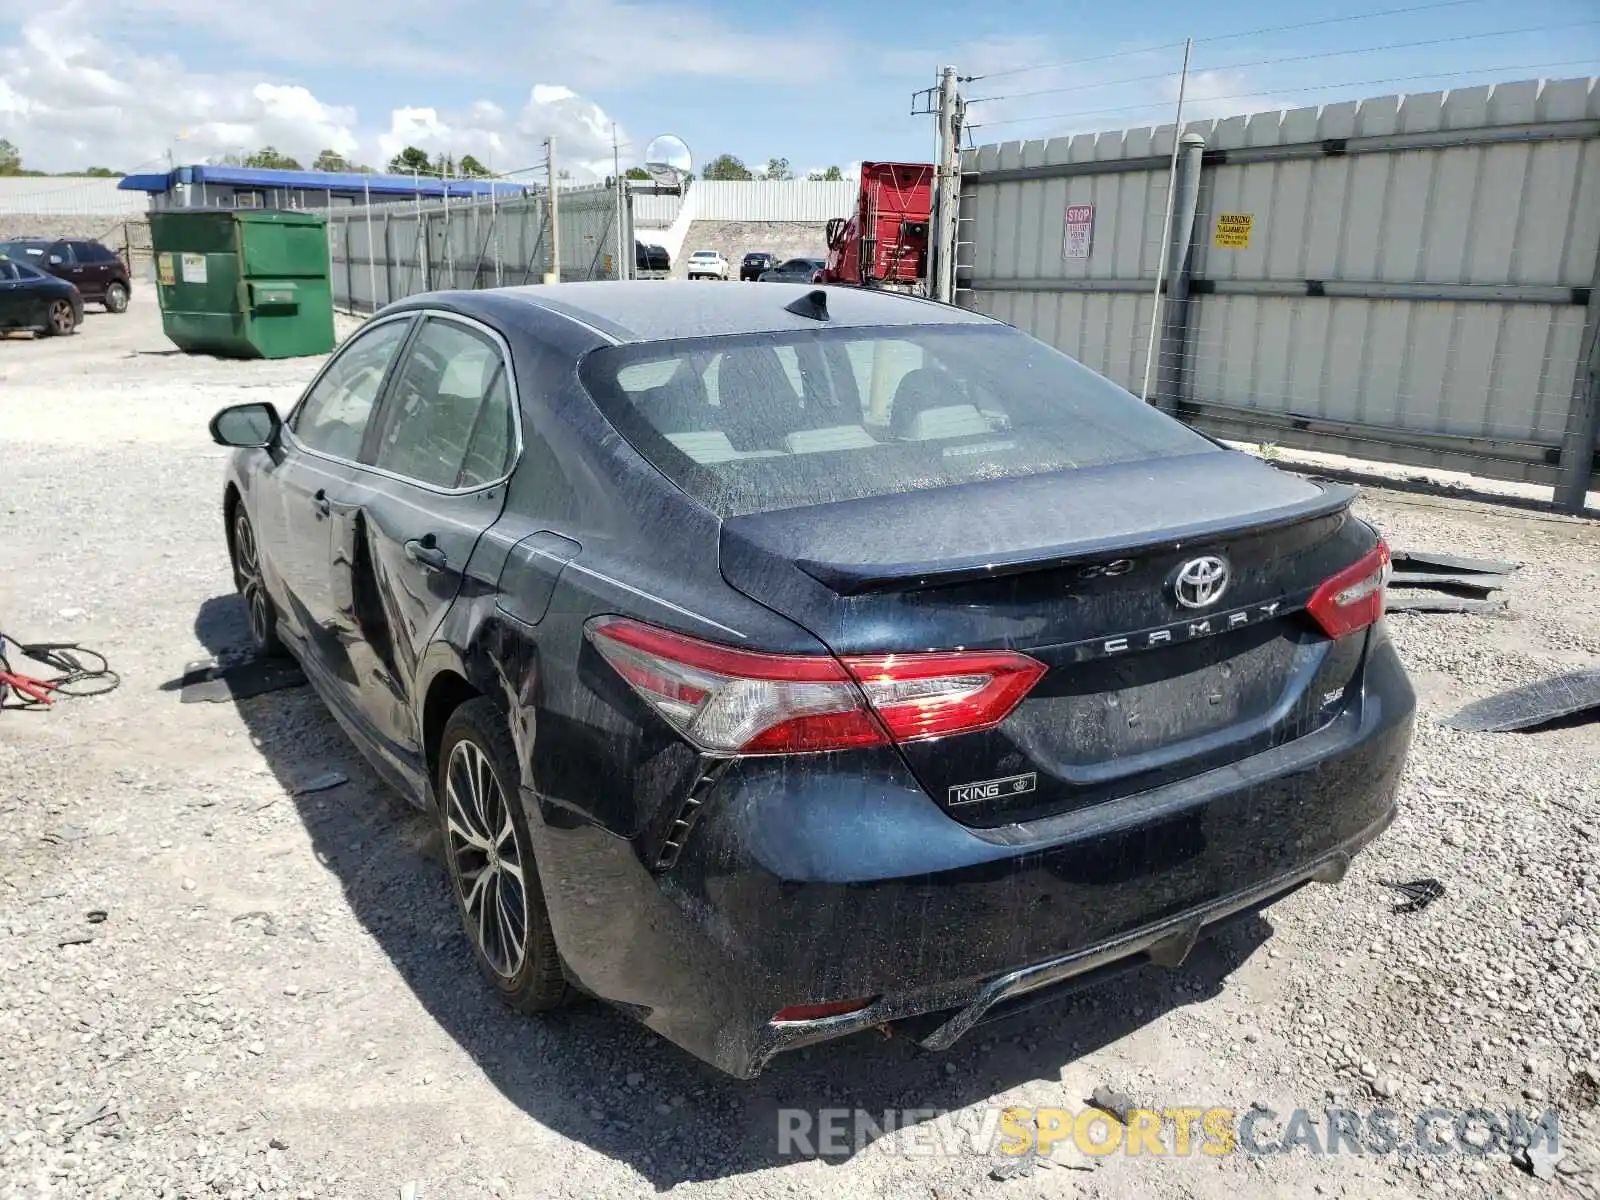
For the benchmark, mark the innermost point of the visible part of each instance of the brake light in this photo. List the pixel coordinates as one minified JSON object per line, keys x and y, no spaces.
{"x":1353,"y":599}
{"x":732,"y":701}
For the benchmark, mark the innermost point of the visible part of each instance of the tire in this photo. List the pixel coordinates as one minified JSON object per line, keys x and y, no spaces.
{"x":116,"y":300}
{"x":481,"y":827}
{"x":261,"y":612}
{"x":60,"y":319}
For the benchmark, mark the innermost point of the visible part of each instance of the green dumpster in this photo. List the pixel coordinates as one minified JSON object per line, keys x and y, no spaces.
{"x":247,"y":283}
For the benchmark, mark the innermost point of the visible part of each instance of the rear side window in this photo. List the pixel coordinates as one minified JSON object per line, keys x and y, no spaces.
{"x":8,"y":271}
{"x":448,"y":420}
{"x":755,"y":423}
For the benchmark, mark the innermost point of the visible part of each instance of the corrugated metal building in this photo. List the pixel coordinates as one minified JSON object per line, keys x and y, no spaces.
{"x":205,"y":186}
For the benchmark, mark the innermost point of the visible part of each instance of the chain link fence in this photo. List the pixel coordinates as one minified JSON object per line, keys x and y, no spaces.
{"x":382,"y":253}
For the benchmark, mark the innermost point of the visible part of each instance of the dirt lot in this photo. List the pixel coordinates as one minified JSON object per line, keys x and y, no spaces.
{"x":279,"y":1002}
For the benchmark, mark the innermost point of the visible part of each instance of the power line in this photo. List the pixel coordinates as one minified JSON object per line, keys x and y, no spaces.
{"x":1091,"y":112}
{"x":1218,"y":37}
{"x":1268,"y":62}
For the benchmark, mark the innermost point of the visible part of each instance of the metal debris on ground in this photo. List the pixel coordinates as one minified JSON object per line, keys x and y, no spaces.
{"x":213,"y":682}
{"x":1540,"y":1160}
{"x":1111,"y":1102}
{"x":1419,"y":893}
{"x":1533,"y":704}
{"x":320,"y":783}
{"x":1429,"y":581}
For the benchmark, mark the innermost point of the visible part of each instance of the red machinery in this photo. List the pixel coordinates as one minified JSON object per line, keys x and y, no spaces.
{"x":885,"y":242}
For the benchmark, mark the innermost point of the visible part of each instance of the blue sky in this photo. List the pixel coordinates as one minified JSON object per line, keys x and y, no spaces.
{"x":96,"y":82}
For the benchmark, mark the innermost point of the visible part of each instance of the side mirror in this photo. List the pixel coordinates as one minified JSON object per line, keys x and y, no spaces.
{"x":252,"y":426}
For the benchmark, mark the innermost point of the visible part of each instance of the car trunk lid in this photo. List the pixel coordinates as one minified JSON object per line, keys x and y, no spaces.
{"x":1079,"y":570}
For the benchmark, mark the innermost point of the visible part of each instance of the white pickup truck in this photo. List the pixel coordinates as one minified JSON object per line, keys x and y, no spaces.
{"x":707,"y":264}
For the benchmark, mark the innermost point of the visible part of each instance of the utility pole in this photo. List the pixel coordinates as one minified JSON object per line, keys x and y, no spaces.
{"x":947,"y":175}
{"x":554,"y":274}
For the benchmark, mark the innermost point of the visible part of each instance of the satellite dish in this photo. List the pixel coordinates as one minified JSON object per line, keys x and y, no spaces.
{"x":668,"y":161}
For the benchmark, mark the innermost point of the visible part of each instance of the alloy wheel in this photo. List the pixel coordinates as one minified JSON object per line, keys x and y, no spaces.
{"x":488,"y":863}
{"x":116,"y":298}
{"x":61,"y":319}
{"x":247,"y":561}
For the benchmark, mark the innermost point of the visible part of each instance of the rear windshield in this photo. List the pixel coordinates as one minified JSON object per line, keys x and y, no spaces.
{"x":753,"y":423}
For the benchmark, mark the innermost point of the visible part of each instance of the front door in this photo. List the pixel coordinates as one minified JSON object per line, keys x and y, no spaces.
{"x":297,"y":491}
{"x":433,"y":480}
{"x":89,"y":272}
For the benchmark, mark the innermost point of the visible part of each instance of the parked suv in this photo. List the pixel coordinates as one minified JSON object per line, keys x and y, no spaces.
{"x":754,"y":263}
{"x":97,"y":273}
{"x":651,"y":262}
{"x":707,"y":264}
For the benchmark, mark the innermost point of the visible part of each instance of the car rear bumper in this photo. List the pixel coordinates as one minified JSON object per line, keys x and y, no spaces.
{"x":844,"y":881}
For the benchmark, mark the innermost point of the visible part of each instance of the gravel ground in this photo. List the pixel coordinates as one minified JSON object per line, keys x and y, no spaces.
{"x":278,"y":1001}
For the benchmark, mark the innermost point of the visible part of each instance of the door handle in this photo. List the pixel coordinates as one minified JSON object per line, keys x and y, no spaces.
{"x":426,"y":554}
{"x":324,"y":507}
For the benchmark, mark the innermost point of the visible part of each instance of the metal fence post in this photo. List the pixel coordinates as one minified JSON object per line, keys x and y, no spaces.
{"x":1583,"y":418}
{"x":388,"y":259}
{"x":1170,"y":363}
{"x":349,"y":268}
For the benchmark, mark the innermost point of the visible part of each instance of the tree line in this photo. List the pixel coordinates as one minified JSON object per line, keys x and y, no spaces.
{"x":11,"y":166}
{"x":731,"y":166}
{"x":415,"y":161}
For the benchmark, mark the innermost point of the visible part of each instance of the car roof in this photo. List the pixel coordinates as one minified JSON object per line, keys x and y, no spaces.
{"x":658,"y":311}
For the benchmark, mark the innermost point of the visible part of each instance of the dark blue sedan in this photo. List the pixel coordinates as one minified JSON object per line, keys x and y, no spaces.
{"x":784,"y":665}
{"x":30,"y":299}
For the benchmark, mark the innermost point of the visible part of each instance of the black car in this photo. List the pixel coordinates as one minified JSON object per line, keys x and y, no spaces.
{"x":795,"y":270}
{"x":98,"y":274}
{"x":651,"y":262}
{"x":780,"y":668}
{"x":754,"y":263}
{"x":30,"y":299}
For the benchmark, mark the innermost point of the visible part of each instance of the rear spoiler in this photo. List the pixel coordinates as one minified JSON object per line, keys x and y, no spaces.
{"x":855,"y":578}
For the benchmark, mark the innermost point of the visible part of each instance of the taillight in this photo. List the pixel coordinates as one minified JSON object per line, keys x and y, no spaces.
{"x":816,"y":1012}
{"x":733,"y":701}
{"x":1353,"y":599}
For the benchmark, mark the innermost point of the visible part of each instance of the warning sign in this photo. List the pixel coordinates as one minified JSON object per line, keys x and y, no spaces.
{"x":194,"y":268}
{"x":166,"y":270}
{"x":1080,"y":230}
{"x":1233,"y":231}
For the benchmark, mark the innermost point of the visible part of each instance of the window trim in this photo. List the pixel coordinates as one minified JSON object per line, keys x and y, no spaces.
{"x":380,"y":405}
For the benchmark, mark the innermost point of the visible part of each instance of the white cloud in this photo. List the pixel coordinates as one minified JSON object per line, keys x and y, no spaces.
{"x":590,"y":43}
{"x":68,"y":101}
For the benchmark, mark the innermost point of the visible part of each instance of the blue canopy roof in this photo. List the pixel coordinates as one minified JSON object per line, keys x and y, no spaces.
{"x":321,"y":181}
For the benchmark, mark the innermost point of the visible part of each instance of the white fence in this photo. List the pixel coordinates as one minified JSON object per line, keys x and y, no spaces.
{"x":756,"y":200}
{"x":67,"y":196}
{"x":1406,"y":278}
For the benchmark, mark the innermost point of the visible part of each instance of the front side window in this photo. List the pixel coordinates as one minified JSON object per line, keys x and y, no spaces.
{"x":333,"y":417}
{"x":752,"y":423}
{"x":8,"y":271}
{"x":449,"y":421}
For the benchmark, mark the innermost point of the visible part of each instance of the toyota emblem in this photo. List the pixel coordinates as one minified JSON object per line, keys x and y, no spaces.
{"x":1200,"y":582}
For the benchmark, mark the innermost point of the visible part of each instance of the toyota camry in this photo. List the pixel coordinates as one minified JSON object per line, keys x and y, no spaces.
{"x":785,"y":666}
